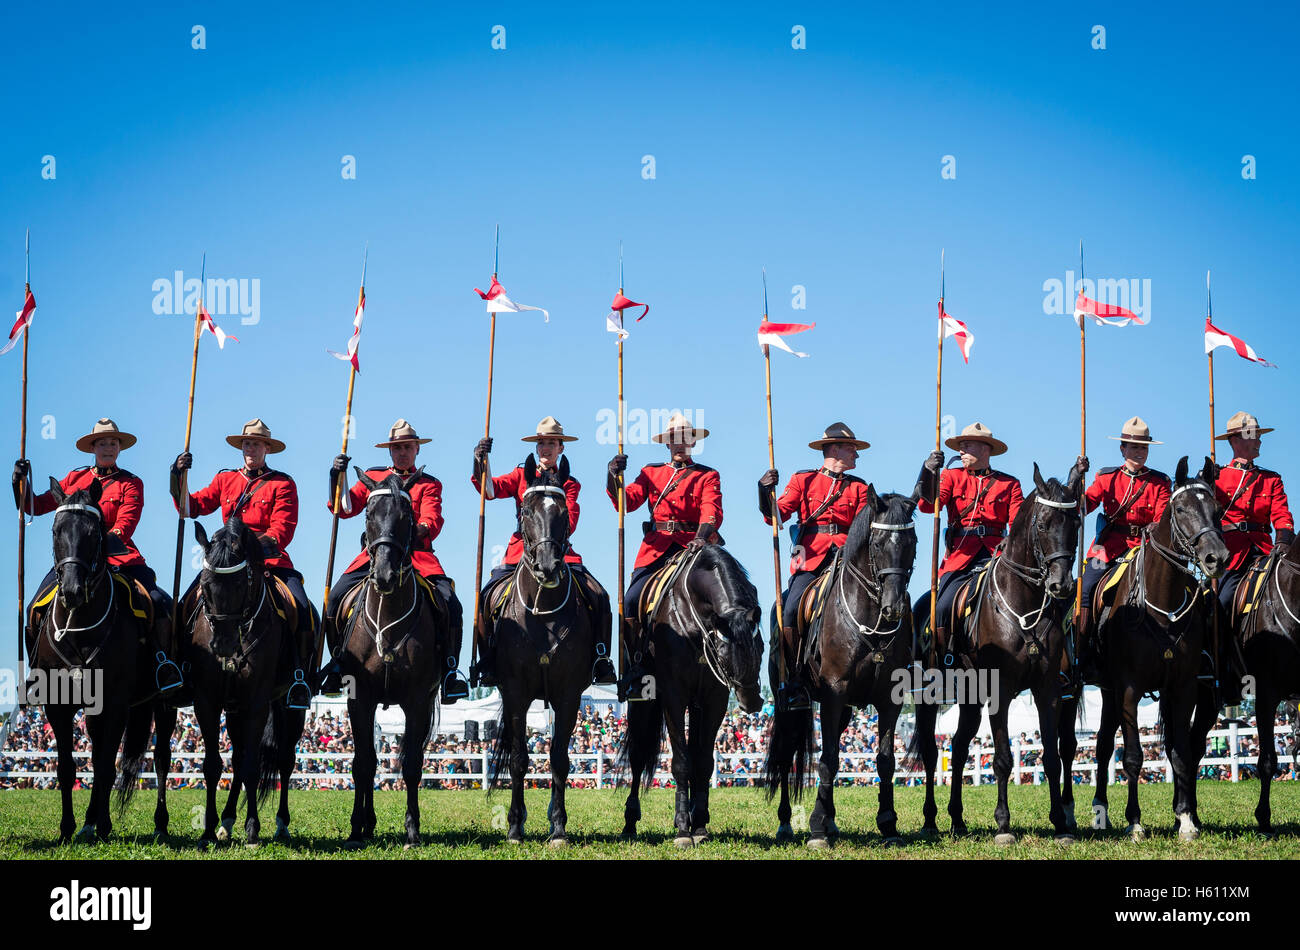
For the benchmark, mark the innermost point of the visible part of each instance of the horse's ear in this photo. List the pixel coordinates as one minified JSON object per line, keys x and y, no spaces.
{"x":1180,"y":473}
{"x":873,"y":500}
{"x":96,"y":491}
{"x":563,"y":470}
{"x":1210,"y":473}
{"x":365,"y":479}
{"x":412,"y":479}
{"x":1038,"y":480}
{"x":57,"y":491}
{"x":530,"y":469}
{"x":201,"y":535}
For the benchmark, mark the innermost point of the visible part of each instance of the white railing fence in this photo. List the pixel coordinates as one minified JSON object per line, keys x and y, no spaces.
{"x":597,"y":769}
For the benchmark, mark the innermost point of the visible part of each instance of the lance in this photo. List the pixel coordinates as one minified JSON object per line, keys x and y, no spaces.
{"x":23,"y":489}
{"x":772,"y":506}
{"x":338,"y":484}
{"x":1214,"y":584}
{"x":1083,"y":444}
{"x":938,"y":447}
{"x":622,"y":497}
{"x":183,"y":491}
{"x":483,"y":476}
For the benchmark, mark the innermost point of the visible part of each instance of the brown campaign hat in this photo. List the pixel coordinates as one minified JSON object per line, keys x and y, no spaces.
{"x":256,"y":429}
{"x":680,"y":424}
{"x":1243,"y":424}
{"x":105,"y":427}
{"x":549,"y":428}
{"x":838,"y":432}
{"x":976,"y":432}
{"x":401,"y":431}
{"x":1136,"y":431}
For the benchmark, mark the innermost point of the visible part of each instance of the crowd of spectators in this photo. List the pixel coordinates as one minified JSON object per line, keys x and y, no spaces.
{"x":452,"y":761}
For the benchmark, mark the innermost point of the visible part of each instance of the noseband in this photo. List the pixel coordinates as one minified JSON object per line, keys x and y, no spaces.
{"x":403,"y":547}
{"x":1030,"y":575}
{"x":1183,"y":545}
{"x":531,"y":547}
{"x":874,"y":585}
{"x":92,"y":567}
{"x":245,"y":618}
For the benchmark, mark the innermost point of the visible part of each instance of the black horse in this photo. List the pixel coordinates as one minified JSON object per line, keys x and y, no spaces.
{"x":1013,"y":641}
{"x":861,"y":656}
{"x":544,"y":626}
{"x":703,"y":642}
{"x":87,"y":653}
{"x":1268,"y":635}
{"x":237,"y":642}
{"x":1158,"y":624}
{"x":396,"y":636}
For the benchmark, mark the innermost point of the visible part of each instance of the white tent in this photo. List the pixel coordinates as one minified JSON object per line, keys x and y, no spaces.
{"x":1022,"y":715}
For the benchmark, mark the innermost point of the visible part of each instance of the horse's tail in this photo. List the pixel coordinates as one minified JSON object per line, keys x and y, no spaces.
{"x":139,"y":726}
{"x":790,"y":745}
{"x":268,"y":771}
{"x":914,"y":758}
{"x":498,"y":775}
{"x":642,"y":741}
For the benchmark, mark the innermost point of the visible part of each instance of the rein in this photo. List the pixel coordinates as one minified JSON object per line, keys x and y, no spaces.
{"x":245,"y":619}
{"x":99,"y":571}
{"x":1031,"y":576}
{"x":529,"y":560}
{"x":873,"y":586}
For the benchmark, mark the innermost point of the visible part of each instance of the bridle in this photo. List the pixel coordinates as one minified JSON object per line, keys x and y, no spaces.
{"x":98,"y":569}
{"x":874,"y":585}
{"x":1031,"y":576}
{"x":1179,"y":553}
{"x":403,"y":546}
{"x":529,"y":560}
{"x":245,"y":618}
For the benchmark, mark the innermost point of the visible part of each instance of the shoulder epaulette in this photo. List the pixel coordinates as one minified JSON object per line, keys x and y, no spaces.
{"x":808,"y":471}
{"x":1160,"y":475}
{"x":1109,"y":470}
{"x":655,"y":464}
{"x":703,"y":468}
{"x":1004,"y":476}
{"x":1267,"y":471}
{"x":220,"y":470}
{"x":82,"y":469}
{"x":855,"y":478}
{"x":125,"y":474}
{"x":275,"y":473}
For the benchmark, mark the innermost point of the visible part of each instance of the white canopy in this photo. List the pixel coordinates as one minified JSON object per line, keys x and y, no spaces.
{"x":1022,"y":715}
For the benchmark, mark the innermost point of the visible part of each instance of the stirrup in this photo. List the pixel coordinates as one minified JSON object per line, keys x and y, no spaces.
{"x":481,"y":674}
{"x":794,"y":696}
{"x":1067,"y":684}
{"x":299,"y":694}
{"x":166,"y":670}
{"x":454,"y":685}
{"x":331,"y":679}
{"x":630,"y":687}
{"x":602,"y":672}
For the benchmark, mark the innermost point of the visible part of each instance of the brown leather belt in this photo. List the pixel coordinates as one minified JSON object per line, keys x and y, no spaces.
{"x":674,"y":527}
{"x":1251,"y":526}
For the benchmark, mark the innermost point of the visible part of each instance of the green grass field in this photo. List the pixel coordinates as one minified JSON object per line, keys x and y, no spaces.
{"x":466,"y":825}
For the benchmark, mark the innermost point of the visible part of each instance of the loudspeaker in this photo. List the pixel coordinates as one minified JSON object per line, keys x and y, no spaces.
{"x":490,"y":730}
{"x":471,"y":730}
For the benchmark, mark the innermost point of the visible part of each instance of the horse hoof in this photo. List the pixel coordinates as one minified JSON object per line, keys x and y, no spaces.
{"x":1004,"y":839}
{"x":281,"y":835}
{"x":558,"y":842}
{"x":86,"y":835}
{"x":1064,"y":839}
{"x":893,"y":841}
{"x":1136,"y":832}
{"x":252,"y":845}
{"x":410,"y":846}
{"x":784,"y":834}
{"x":832,"y":830}
{"x":354,"y":842}
{"x":700,"y":835}
{"x":684,"y":841}
{"x":203,"y":845}
{"x":629,"y":833}
{"x":819,"y":844}
{"x":514,"y":841}
{"x":223,"y":833}
{"x":929,"y":833}
{"x":1187,"y":830}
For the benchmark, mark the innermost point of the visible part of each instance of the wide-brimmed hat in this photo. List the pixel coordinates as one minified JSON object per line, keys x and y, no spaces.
{"x":105,"y":427}
{"x":679,"y":423}
{"x":1243,"y":424}
{"x":1136,"y":431}
{"x":549,"y":428}
{"x":838,"y":432}
{"x":256,"y":429}
{"x":401,"y":431}
{"x":976,"y":432}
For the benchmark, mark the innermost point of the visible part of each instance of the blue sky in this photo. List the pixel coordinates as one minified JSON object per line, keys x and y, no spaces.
{"x":821,"y":164}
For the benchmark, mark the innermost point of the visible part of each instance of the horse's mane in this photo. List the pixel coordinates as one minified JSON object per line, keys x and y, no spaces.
{"x":740,"y":590}
{"x":897,"y":509}
{"x":231,"y":534}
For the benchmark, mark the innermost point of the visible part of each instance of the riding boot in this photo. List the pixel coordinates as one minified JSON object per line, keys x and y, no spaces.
{"x":632,"y":687}
{"x":602,"y":669}
{"x":330,"y":677}
{"x":301,"y":643}
{"x":167,"y":675}
{"x":454,"y":685}
{"x":484,"y":673}
{"x":793,"y":693}
{"x":1087,"y":656}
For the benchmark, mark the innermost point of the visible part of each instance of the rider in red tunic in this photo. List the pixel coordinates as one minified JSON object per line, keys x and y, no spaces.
{"x":426,"y":502}
{"x":824,"y":502}
{"x":549,"y":440}
{"x":1131,"y":497}
{"x":122,"y":503}
{"x":684,"y":502}
{"x":267,"y":502}
{"x":980,"y":502}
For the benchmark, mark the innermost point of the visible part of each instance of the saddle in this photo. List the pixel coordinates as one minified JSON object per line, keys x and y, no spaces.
{"x":966,"y":603}
{"x":137,"y":597}
{"x":1103,"y":596}
{"x":653,"y":592}
{"x":1246,"y":599}
{"x":282,"y":600}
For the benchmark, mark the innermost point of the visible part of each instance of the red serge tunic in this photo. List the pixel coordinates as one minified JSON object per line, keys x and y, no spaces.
{"x":267,"y":502}
{"x":997,"y":508}
{"x":426,"y":503}
{"x":1253,"y":499}
{"x":1112,"y":489}
{"x":806,"y":492}
{"x":122,"y":502}
{"x":691,"y":494}
{"x":514,"y":484}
